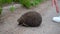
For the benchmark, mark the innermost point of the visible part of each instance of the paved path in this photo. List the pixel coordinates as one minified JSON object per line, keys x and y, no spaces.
{"x":9,"y":26}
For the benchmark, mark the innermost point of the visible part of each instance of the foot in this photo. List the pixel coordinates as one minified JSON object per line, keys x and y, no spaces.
{"x":56,"y":19}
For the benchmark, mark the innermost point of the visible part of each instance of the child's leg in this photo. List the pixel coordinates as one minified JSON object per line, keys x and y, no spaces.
{"x":52,"y":2}
{"x":56,"y":4}
{"x":56,"y":19}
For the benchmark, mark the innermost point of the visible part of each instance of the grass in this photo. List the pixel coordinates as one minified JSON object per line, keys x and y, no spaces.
{"x":16,"y":1}
{"x":29,"y":3}
{"x":26,"y":3}
{"x":12,"y":8}
{"x":1,"y":10}
{"x":5,"y":1}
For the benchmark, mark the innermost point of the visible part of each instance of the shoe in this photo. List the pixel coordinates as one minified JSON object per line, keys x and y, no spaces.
{"x":56,"y":19}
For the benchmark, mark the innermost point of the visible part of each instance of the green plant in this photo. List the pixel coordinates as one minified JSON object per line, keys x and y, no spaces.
{"x":5,"y":2}
{"x":12,"y":8}
{"x":0,"y":2}
{"x":25,"y":3}
{"x":1,"y":10}
{"x":36,"y":2}
{"x":9,"y":1}
{"x":29,"y":3}
{"x":16,"y":1}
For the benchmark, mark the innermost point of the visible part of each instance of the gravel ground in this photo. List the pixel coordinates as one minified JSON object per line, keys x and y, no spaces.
{"x":9,"y":25}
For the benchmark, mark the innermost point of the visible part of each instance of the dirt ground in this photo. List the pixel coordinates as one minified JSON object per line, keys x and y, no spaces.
{"x":9,"y":25}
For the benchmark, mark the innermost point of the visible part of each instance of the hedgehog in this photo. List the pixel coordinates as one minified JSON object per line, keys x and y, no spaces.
{"x":30,"y":19}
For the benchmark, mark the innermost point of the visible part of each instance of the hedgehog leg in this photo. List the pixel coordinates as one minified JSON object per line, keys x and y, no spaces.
{"x":24,"y":25}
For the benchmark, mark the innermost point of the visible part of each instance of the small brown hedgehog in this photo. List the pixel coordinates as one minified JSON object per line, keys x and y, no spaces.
{"x":30,"y":19}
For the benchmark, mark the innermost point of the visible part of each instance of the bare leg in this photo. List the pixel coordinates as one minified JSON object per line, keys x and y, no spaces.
{"x":56,"y":4}
{"x":56,"y":19}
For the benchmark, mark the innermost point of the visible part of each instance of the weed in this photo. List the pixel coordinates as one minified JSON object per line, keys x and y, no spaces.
{"x":1,"y":10}
{"x":12,"y":8}
{"x":29,"y":3}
